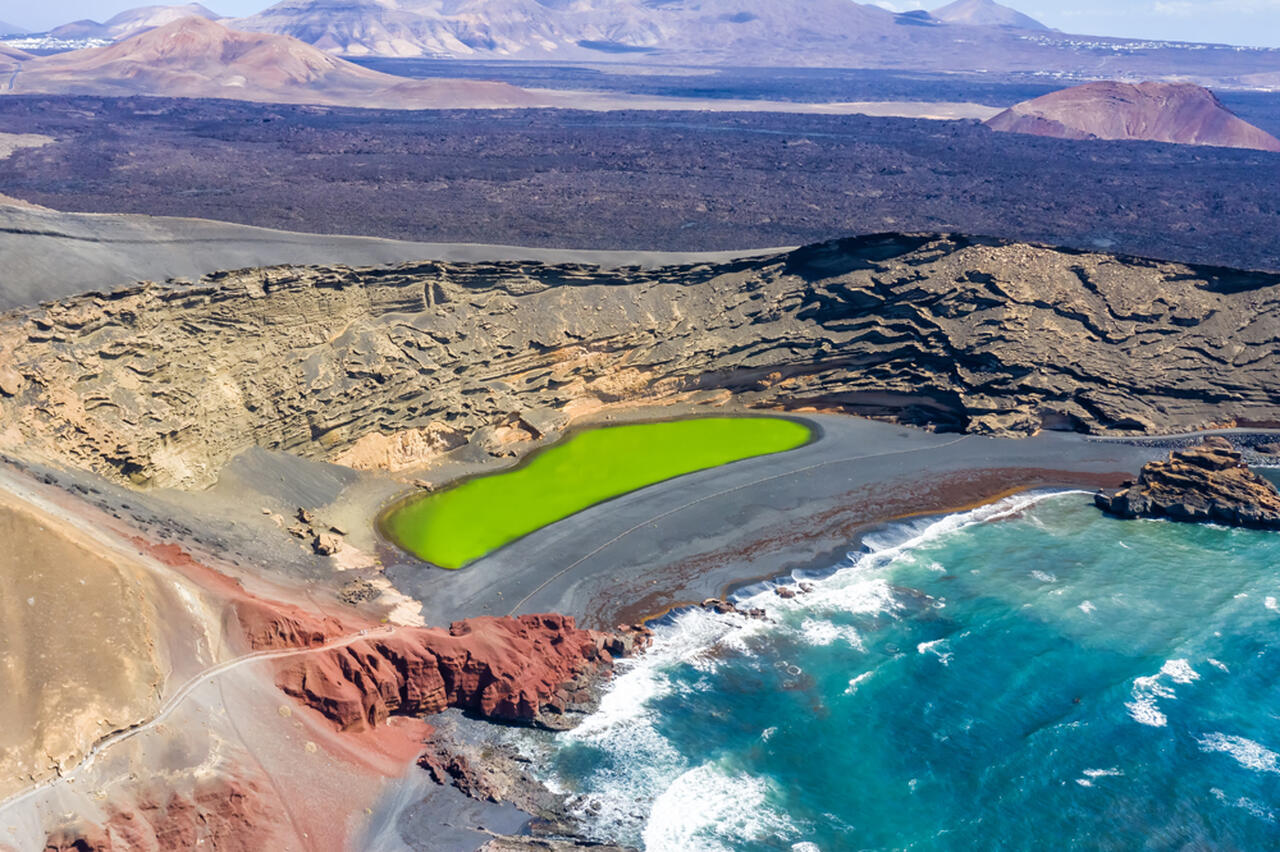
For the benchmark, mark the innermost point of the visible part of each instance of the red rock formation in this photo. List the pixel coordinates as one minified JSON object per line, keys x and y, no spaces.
{"x":1183,"y":113}
{"x":230,"y":816}
{"x":530,"y":669}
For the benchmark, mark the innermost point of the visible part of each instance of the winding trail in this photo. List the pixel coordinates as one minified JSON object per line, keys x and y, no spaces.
{"x":176,"y":700}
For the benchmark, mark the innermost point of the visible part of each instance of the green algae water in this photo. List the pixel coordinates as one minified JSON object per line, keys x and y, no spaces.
{"x":1031,"y":675}
{"x":461,"y":524}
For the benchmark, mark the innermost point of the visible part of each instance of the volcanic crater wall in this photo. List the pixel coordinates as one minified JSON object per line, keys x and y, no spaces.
{"x":162,"y":384}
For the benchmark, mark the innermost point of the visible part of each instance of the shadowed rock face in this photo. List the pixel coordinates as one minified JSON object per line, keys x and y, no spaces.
{"x":162,"y":385}
{"x":1205,"y":483}
{"x":1182,"y":113}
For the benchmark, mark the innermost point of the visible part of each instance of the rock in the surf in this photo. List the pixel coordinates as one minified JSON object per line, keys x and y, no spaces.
{"x":1205,"y":483}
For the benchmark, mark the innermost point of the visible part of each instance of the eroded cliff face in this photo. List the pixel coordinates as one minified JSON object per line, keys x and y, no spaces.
{"x":161,"y":385}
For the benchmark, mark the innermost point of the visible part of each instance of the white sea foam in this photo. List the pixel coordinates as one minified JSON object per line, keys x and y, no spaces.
{"x":805,"y":846}
{"x":1179,"y":671}
{"x":820,"y":633}
{"x":1044,"y":576}
{"x":1219,"y":665}
{"x":852,"y":688}
{"x":1144,"y":708}
{"x":1089,"y":776}
{"x":1270,"y":603}
{"x":707,"y":808}
{"x":938,"y":647}
{"x":1245,"y":804}
{"x":1246,"y":752}
{"x":1087,"y":607}
{"x":1145,"y":711}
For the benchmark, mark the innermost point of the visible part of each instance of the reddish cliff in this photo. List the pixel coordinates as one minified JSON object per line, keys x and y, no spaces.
{"x":1182,"y":113}
{"x":532,"y":669}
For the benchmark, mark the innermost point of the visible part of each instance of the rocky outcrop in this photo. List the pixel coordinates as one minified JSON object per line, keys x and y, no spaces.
{"x":1204,"y":483}
{"x":540,"y":844}
{"x":1182,"y":113}
{"x":534,"y":669}
{"x":161,"y":385}
{"x":218,"y":814}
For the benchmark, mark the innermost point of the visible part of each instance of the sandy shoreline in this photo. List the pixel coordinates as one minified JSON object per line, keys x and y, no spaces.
{"x":710,"y":532}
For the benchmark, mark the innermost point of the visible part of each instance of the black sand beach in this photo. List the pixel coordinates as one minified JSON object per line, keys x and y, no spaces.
{"x":706,"y":533}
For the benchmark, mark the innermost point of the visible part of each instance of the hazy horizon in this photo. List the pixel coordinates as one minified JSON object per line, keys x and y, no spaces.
{"x":1254,"y":23}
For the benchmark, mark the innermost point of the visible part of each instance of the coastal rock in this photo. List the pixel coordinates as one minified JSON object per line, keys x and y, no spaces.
{"x":537,"y":844}
{"x":1204,"y":483}
{"x":534,"y":670}
{"x":161,"y":385}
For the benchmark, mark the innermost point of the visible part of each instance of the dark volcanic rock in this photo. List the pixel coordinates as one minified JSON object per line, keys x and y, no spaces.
{"x":1204,"y":483}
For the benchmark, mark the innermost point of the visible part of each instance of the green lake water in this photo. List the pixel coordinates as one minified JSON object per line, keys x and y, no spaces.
{"x":456,"y":526}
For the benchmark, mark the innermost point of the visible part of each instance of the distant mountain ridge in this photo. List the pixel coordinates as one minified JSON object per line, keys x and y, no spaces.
{"x":7,"y":28}
{"x":130,"y":22}
{"x":198,"y":58}
{"x":985,"y":13}
{"x":569,"y":29}
{"x":978,"y":36}
{"x":1181,"y":113}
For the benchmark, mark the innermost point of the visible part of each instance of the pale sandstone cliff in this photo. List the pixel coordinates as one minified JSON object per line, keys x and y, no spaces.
{"x":161,"y":385}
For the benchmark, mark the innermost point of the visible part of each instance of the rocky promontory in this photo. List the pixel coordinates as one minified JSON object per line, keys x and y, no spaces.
{"x":1208,"y":483}
{"x":533,"y":669}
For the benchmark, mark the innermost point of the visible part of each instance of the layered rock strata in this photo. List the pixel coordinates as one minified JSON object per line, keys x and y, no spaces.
{"x":1205,"y":483}
{"x":161,"y":385}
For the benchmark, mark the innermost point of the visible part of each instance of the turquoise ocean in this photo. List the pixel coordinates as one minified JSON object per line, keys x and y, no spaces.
{"x":1028,"y":675}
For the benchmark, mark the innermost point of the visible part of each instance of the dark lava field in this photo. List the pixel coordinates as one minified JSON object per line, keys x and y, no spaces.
{"x":637,"y":180}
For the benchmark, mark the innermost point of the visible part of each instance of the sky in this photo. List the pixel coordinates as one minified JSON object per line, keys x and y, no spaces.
{"x":1246,"y":22}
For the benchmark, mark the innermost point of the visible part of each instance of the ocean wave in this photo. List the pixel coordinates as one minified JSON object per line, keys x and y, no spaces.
{"x":938,"y":647}
{"x":1244,"y":751}
{"x":1090,"y":775}
{"x":1244,"y":803}
{"x":710,"y":809}
{"x":1145,"y":707}
{"x":642,"y":788}
{"x":856,"y":682}
{"x":1179,"y":671}
{"x":820,"y":633}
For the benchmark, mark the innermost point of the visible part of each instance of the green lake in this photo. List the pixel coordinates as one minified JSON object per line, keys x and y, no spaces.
{"x":453,"y":527}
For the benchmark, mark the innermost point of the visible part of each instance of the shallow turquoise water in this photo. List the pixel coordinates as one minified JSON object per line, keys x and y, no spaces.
{"x":1028,"y":676}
